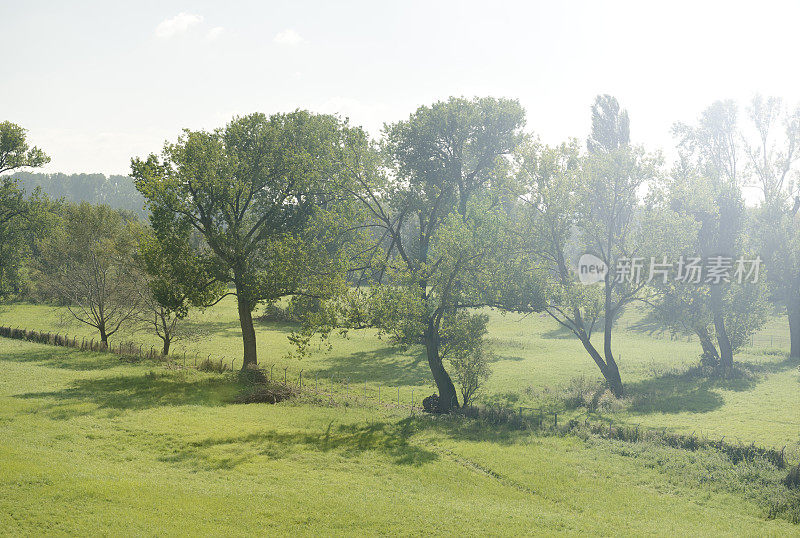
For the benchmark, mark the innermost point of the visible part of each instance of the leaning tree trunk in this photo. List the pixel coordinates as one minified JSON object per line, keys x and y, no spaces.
{"x":448,"y":398}
{"x":250,"y":359}
{"x":610,"y":372}
{"x":794,"y":329}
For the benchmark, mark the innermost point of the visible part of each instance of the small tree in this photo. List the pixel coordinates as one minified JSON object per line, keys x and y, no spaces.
{"x":178,"y":277}
{"x":464,"y":347}
{"x":88,"y":264}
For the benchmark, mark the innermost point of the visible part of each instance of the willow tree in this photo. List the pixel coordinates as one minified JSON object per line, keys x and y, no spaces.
{"x":257,"y":192}
{"x":437,"y":217}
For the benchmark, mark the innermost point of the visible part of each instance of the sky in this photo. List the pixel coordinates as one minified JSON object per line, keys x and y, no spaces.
{"x":97,"y":83}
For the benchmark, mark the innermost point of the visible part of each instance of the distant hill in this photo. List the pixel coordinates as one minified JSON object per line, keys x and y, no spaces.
{"x":115,"y":191}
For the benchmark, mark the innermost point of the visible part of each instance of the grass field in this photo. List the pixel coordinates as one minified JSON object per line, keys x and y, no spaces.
{"x":536,"y":360}
{"x":94,"y":445}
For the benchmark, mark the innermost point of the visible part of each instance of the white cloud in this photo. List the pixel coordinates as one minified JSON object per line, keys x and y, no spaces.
{"x":214,"y":33}
{"x":288,"y":37}
{"x":178,"y":24}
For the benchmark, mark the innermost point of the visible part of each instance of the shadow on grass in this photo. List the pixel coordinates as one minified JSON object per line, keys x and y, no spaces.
{"x":387,"y":365}
{"x":124,"y":393}
{"x":692,"y":392}
{"x":350,"y":440}
{"x":61,"y":357}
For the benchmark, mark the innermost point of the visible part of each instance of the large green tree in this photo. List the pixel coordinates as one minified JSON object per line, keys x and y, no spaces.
{"x":438,"y":220}
{"x":711,"y":221}
{"x":707,"y":186}
{"x":264,"y":194}
{"x":573,"y":203}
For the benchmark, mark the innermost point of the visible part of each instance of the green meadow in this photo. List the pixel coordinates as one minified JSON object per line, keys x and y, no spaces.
{"x":92,"y":444}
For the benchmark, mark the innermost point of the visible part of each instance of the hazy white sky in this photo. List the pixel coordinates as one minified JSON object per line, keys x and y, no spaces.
{"x":96,"y":83}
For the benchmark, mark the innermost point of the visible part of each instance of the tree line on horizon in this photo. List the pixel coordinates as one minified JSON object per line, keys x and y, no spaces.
{"x":451,"y":211}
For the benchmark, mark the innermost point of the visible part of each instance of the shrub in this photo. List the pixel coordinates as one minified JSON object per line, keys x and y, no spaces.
{"x":464,"y":346}
{"x":210,"y":365}
{"x":269,"y":392}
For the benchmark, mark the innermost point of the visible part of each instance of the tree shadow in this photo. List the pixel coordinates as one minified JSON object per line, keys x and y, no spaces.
{"x":500,"y":358}
{"x":117,"y":394}
{"x":683,"y":392}
{"x":62,"y":357}
{"x":350,"y":440}
{"x":386,"y":365}
{"x":559,"y":332}
{"x":649,"y":324}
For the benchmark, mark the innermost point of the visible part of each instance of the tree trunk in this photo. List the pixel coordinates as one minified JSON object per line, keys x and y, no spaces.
{"x":794,"y":329}
{"x":709,"y":349}
{"x":249,"y":359}
{"x":610,"y":371}
{"x":448,"y":398}
{"x":725,"y":349}
{"x":103,"y":337}
{"x":165,"y":349}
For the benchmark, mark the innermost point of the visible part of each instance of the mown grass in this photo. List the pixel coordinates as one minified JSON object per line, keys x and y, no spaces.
{"x":93,"y":445}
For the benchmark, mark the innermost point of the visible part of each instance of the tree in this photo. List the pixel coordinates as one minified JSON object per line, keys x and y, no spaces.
{"x":772,"y":160}
{"x":15,"y":153}
{"x":610,"y":126}
{"x":711,"y":173}
{"x":19,"y":215}
{"x":574,"y":203}
{"x":178,"y":277}
{"x":724,"y":313}
{"x":256,"y":192}
{"x":88,"y":264}
{"x":439,"y":219}
{"x":464,"y":347}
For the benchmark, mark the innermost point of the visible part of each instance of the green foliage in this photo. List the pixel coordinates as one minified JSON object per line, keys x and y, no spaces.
{"x":115,"y":191}
{"x":22,"y":219}
{"x":465,"y":349}
{"x":87,"y":263}
{"x":14,"y":149}
{"x":439,"y":219}
{"x":263,"y":194}
{"x":704,"y":194}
